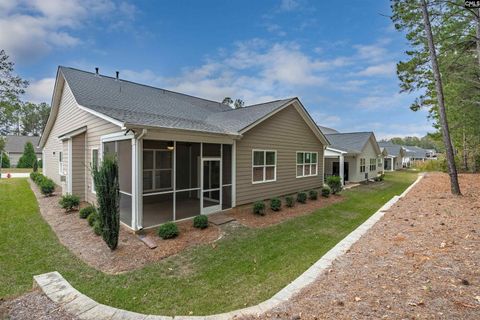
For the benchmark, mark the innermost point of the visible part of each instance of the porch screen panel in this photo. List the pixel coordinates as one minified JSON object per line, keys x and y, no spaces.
{"x":187,"y":165}
{"x":211,"y":150}
{"x":226,"y":197}
{"x":187,"y":204}
{"x":157,"y":209}
{"x":226,"y":176}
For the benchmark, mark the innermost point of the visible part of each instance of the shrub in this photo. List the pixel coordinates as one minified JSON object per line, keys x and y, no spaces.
{"x":69,"y":202}
{"x":97,"y":227}
{"x":28,"y":157}
{"x":302,"y":197}
{"x":34,"y":176}
{"x":326,"y":191}
{"x":5,"y":160}
{"x":380,"y":177}
{"x":200,"y":221}
{"x":168,"y":230}
{"x":40,"y":163}
{"x":275,"y":204}
{"x":92,"y":218}
{"x":259,"y":208}
{"x":289,"y":201}
{"x":47,"y":186}
{"x":35,"y":166}
{"x":87,"y":211}
{"x":335,"y":184}
{"x":313,"y":194}
{"x":106,"y":185}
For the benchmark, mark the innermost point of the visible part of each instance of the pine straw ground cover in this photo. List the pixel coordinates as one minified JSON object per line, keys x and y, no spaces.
{"x":243,"y":268}
{"x":421,"y":261}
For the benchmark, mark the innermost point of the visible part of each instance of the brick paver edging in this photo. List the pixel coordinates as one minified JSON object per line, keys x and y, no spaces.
{"x":61,"y":292}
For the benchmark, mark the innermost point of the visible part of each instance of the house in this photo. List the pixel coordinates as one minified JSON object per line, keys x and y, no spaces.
{"x":178,"y":155}
{"x":419,"y":154}
{"x":354,"y":156}
{"x":394,"y":155}
{"x":14,"y":146}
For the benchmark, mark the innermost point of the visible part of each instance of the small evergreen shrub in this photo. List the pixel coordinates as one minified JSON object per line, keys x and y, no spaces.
{"x":335,"y":184}
{"x":47,"y":186}
{"x":313,"y":194}
{"x":35,"y":166}
{"x":290,"y":202}
{"x":92,"y":218}
{"x":87,"y":211}
{"x":69,"y":202}
{"x":259,"y":208}
{"x":97,"y":227}
{"x":28,"y":157}
{"x":200,"y":221}
{"x":326,"y":191}
{"x":302,"y":197}
{"x":168,"y":230}
{"x":34,"y":176}
{"x":275,"y":204}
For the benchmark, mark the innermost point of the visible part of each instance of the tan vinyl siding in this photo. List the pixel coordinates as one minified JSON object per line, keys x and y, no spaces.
{"x":71,"y":117}
{"x":78,"y":166}
{"x":286,"y":132}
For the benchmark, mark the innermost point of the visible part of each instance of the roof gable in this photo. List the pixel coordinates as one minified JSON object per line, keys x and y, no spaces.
{"x":16,"y":144}
{"x":352,"y":142}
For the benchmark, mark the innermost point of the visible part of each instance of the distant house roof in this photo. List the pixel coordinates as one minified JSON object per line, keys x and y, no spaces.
{"x":327,"y":130}
{"x":392,"y":149}
{"x":351,"y":142}
{"x":130,"y":104}
{"x":416,"y":152}
{"x":16,"y":144}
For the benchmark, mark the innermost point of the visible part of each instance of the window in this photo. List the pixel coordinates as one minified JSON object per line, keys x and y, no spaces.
{"x":307,"y":164}
{"x":379,"y":164}
{"x":373,"y":164}
{"x":264,"y":166}
{"x":362,"y":165}
{"x":157,"y":170}
{"x":60,"y":163}
{"x":94,"y":165}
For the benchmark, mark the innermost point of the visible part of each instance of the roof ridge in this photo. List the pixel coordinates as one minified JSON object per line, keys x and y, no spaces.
{"x":350,"y":132}
{"x":142,"y":84}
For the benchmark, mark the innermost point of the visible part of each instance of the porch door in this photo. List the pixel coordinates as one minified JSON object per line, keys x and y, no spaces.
{"x":210,"y":195}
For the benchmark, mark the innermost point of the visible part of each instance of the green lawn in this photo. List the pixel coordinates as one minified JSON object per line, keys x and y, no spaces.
{"x":19,"y":170}
{"x":245,"y":268}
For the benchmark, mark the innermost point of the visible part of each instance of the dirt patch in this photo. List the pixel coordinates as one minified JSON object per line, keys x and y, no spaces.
{"x":245,"y":215}
{"x":33,"y":305}
{"x":420,"y":261}
{"x":131,"y":253}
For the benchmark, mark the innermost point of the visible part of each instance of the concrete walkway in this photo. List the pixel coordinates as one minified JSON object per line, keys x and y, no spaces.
{"x":15,"y":175}
{"x":78,"y":304}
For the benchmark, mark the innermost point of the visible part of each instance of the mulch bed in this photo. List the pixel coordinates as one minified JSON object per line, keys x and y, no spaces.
{"x":420,"y":261}
{"x":131,"y":253}
{"x":245,"y":215}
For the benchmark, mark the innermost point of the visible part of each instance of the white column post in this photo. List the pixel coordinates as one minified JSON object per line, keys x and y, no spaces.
{"x":234,"y":174}
{"x":341,"y":167}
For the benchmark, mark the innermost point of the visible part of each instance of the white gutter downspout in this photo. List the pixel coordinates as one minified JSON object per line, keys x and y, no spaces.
{"x":137,"y":158}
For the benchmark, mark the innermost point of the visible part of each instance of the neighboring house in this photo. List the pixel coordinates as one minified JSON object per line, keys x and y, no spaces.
{"x":394,"y":158}
{"x":179,"y":156}
{"x":415,"y":153}
{"x":14,"y":146}
{"x":354,"y":156}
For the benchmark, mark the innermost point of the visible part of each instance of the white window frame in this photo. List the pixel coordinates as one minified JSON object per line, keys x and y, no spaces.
{"x":91,"y":163}
{"x":364,"y":165}
{"x":373,"y":164}
{"x":264,"y":166}
{"x":303,"y":164}
{"x":154,"y":170}
{"x":60,"y":163}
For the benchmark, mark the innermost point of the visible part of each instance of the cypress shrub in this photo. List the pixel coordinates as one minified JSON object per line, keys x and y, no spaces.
{"x":106,"y":185}
{"x":325,"y":191}
{"x":259,"y":208}
{"x":289,"y":201}
{"x":200,"y":221}
{"x":275,"y":204}
{"x":92,"y":218}
{"x":47,"y":186}
{"x":28,"y":157}
{"x":87,"y":211}
{"x":313,"y":194}
{"x":168,"y":230}
{"x":302,"y":197}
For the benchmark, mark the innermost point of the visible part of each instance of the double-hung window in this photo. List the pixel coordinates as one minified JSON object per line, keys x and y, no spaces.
{"x":264,"y":166}
{"x":373,"y":164}
{"x":362,"y":165}
{"x":307,"y":164}
{"x":379,"y":164}
{"x":94,"y":165}
{"x":60,"y":163}
{"x":157,"y":170}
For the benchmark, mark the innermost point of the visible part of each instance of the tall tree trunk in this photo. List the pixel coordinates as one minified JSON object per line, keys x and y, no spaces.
{"x":465,"y":153}
{"x":452,"y":168}
{"x":477,"y":18}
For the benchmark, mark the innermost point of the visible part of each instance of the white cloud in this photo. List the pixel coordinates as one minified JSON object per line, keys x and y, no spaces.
{"x":40,"y":90}
{"x":382,"y":69}
{"x":289,"y":5}
{"x":324,"y":119}
{"x":31,"y":28}
{"x":373,"y":52}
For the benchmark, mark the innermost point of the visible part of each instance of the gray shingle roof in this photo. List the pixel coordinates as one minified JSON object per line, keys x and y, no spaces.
{"x":136,"y":104}
{"x":392,"y":149}
{"x":16,"y":144}
{"x":352,"y":142}
{"x":415,"y":152}
{"x":327,"y":130}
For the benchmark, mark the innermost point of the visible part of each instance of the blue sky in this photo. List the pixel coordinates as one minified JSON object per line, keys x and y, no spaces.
{"x":337,"y":57}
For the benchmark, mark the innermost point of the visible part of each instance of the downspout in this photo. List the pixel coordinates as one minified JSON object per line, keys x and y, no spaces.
{"x":137,"y":190}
